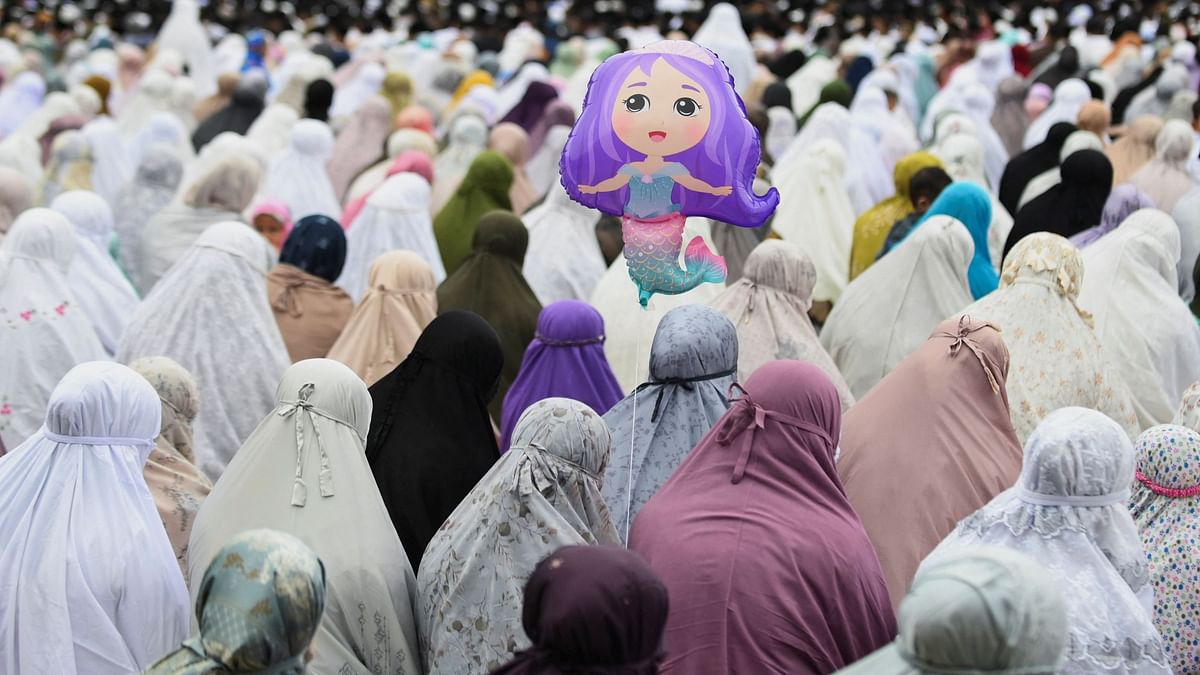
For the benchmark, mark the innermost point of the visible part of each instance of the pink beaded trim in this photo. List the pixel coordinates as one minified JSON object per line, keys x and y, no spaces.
{"x":1177,"y":493}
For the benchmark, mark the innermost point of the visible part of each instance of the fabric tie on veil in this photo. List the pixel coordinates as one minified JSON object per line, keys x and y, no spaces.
{"x":748,"y":416}
{"x":302,"y":405}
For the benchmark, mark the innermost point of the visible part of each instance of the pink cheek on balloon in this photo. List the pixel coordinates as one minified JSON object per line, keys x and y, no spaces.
{"x":694,"y":131}
{"x":623,"y":125}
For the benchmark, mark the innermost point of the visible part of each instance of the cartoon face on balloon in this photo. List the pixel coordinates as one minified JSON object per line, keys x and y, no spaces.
{"x":663,"y":135}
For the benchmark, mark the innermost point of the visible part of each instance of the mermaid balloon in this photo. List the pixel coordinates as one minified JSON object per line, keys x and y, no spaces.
{"x":663,"y":135}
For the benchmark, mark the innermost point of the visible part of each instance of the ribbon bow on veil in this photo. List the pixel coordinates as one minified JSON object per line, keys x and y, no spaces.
{"x":300,"y":408}
{"x":755,"y":417}
{"x":962,"y":337}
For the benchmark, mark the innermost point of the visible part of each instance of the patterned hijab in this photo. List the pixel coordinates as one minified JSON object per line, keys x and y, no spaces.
{"x":544,"y":493}
{"x":1164,"y":507}
{"x":259,"y":607}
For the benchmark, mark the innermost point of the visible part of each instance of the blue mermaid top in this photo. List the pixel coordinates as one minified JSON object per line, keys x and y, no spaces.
{"x":650,"y":193}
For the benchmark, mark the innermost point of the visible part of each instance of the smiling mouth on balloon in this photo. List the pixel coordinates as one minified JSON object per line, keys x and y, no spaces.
{"x":658,"y":136}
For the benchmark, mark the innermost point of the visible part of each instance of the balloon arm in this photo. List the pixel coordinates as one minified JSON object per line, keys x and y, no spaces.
{"x":696,"y":185}
{"x":615,"y":183}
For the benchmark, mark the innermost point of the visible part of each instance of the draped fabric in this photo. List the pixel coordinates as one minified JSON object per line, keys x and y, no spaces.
{"x":399,"y":303}
{"x":210,"y":314}
{"x":259,"y":607}
{"x":244,"y":107}
{"x":564,"y":360}
{"x":542,"y":167}
{"x":1163,"y":504}
{"x":1068,"y":511}
{"x":484,"y":188}
{"x":310,"y":311}
{"x":1165,"y":179}
{"x":489,"y":283}
{"x":468,"y":137}
{"x":151,"y":189}
{"x":768,"y":567}
{"x":1076,"y":142}
{"x":177,"y":486}
{"x":16,"y":195}
{"x":406,"y":161}
{"x":298,"y":176}
{"x":91,"y":584}
{"x":1134,"y":148}
{"x":1026,"y":166}
{"x":693,"y":362}
{"x":1069,"y":97}
{"x":46,"y":330}
{"x":723,"y":34}
{"x":906,"y":294}
{"x":1187,"y":216}
{"x":431,"y":439}
{"x":970,"y":204}
{"x":1009,"y":118}
{"x":360,"y":144}
{"x":395,"y":217}
{"x":1073,"y":205}
{"x":564,"y":261}
{"x":769,"y":306}
{"x":512,"y":143}
{"x":963,"y":157}
{"x":872,"y":227}
{"x":543,"y":494}
{"x":1130,"y":289}
{"x":303,"y":471}
{"x":111,"y":168}
{"x":1122,"y":202}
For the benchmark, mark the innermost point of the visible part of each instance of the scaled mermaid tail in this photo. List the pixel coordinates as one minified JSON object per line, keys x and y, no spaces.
{"x":652,"y":253}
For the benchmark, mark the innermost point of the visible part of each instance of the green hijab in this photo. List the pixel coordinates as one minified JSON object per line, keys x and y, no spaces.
{"x":259,"y":606}
{"x":484,"y":188}
{"x":837,"y":91}
{"x":489,"y":283}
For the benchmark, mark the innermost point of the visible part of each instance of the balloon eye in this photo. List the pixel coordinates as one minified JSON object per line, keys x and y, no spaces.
{"x":637,"y":103}
{"x":687,"y":107}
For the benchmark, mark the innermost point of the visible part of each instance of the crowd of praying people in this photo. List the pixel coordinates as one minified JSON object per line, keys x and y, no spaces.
{"x":311,"y":363}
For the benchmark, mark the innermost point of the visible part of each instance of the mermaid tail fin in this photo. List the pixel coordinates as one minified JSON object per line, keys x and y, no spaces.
{"x":699,"y":260}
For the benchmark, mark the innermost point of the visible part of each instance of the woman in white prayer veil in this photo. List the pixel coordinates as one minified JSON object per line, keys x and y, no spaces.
{"x":563,"y":261}
{"x":468,"y":138}
{"x":892,"y":140}
{"x":220,"y":194}
{"x":1165,"y":179}
{"x":1131,"y":289}
{"x":304,"y":471}
{"x":19,"y":100}
{"x":722,"y":33}
{"x":628,"y":330}
{"x":298,"y":177}
{"x":401,"y":141}
{"x":781,"y":129}
{"x":211,"y":315}
{"x":396,"y":217}
{"x":962,"y":155}
{"x":1078,"y":140}
{"x":111,"y":168}
{"x":815,"y":212}
{"x":978,"y":102}
{"x":162,"y":129}
{"x":152,"y":188}
{"x":1069,"y":512}
{"x":906,"y":294}
{"x":543,"y":494}
{"x":348,"y":97}
{"x":46,"y":332}
{"x":105,"y":294}
{"x":272,"y":129}
{"x":153,"y":95}
{"x":866,"y":181}
{"x":56,"y":105}
{"x":512,"y":91}
{"x":90,"y":578}
{"x":1069,"y":97}
{"x":183,"y":32}
{"x":542,"y":167}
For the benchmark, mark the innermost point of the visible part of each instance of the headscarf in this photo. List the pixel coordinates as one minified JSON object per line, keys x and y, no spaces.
{"x":1068,"y":511}
{"x":945,"y":413}
{"x":970,"y":204}
{"x":485,"y":188}
{"x":360,"y":144}
{"x":104,"y":293}
{"x":872,"y":227}
{"x":558,"y":114}
{"x":70,"y":167}
{"x":431,"y":439}
{"x":769,"y":306}
{"x":259,"y":607}
{"x":564,"y":261}
{"x":298,"y":175}
{"x":184,"y":34}
{"x":227,"y":83}
{"x":396,"y":217}
{"x":1074,"y":205}
{"x":595,"y":607}
{"x":532,"y":107}
{"x":1094,"y":116}
{"x":722,"y":33}
{"x":907,"y":294}
{"x":547,"y":148}
{"x":1033,"y":162}
{"x":318,"y":96}
{"x":513,"y":144}
{"x":984,"y":610}
{"x":111,"y":168}
{"x":1163,"y":505}
{"x":1134,"y":148}
{"x":400,"y":301}
{"x":16,"y":195}
{"x":1057,"y":358}
{"x":489,"y":283}
{"x":177,"y":486}
{"x":211,"y":315}
{"x":866,"y":177}
{"x":91,"y":584}
{"x":467,"y":139}
{"x":19,"y":100}
{"x":303,"y":471}
{"x":272,"y":129}
{"x":693,"y":362}
{"x":1077,"y":142}
{"x":1122,"y":202}
{"x":1187,"y":216}
{"x":749,"y":530}
{"x":816,"y":210}
{"x":309,"y":310}
{"x":1156,"y":98}
{"x":243,"y":108}
{"x":218,"y":195}
{"x":364,"y":83}
{"x":836,"y":91}
{"x":1131,"y":290}
{"x":1009,"y":118}
{"x":963,"y":156}
{"x":46,"y":331}
{"x":405,"y":161}
{"x":1069,"y":97}
{"x":564,"y":360}
{"x":1165,"y":179}
{"x":397,"y":90}
{"x":543,"y":494}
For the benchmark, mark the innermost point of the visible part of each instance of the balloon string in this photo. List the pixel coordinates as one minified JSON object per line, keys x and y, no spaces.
{"x":637,"y":359}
